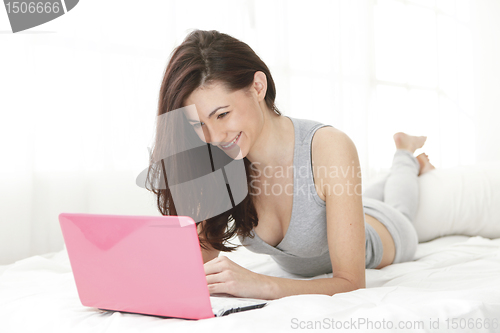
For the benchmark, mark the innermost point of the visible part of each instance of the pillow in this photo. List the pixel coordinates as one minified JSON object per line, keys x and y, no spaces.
{"x":462,"y":200}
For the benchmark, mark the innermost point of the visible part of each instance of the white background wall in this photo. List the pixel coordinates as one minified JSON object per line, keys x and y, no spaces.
{"x":78,"y":95}
{"x":486,"y":31}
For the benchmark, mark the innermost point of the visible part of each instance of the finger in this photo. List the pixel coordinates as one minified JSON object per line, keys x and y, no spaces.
{"x":216,"y":288}
{"x":212,"y":268}
{"x":216,"y":278}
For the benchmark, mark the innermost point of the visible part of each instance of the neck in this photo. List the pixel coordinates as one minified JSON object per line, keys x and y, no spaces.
{"x":275,"y":144}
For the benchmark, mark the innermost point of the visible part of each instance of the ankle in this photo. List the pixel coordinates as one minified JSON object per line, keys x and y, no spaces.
{"x":410,"y":150}
{"x":401,"y":145}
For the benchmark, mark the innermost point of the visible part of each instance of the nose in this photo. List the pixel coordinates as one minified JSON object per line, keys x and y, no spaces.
{"x":214,"y":137}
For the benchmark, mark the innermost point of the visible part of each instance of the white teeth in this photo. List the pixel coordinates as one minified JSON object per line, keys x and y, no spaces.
{"x":234,"y":140}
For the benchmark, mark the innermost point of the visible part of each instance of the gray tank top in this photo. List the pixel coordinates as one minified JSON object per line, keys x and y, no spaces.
{"x":304,"y":248}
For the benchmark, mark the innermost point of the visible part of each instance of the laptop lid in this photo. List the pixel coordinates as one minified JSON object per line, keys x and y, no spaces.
{"x":141,"y":264}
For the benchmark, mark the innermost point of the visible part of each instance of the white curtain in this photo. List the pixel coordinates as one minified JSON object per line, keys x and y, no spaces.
{"x":79,"y":94}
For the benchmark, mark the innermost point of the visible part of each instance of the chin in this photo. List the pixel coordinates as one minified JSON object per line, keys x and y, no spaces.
{"x":240,"y":156}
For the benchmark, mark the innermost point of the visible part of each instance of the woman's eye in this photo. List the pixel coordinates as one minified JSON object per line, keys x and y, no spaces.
{"x":200,"y":124}
{"x":224,"y":113}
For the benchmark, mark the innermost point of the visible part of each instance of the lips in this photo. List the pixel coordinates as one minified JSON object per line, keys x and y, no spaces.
{"x":232,"y":143}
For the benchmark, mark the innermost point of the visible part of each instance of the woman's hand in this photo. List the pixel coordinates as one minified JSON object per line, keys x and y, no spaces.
{"x":226,"y":277}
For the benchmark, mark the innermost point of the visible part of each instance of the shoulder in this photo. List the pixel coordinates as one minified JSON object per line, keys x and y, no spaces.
{"x":335,"y":161}
{"x":330,"y":144}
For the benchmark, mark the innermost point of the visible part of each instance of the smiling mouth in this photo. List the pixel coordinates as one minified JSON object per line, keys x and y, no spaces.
{"x":230,"y":144}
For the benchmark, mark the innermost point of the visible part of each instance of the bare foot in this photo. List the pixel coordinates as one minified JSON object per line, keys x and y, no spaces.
{"x":408,"y":142}
{"x":425,"y":164}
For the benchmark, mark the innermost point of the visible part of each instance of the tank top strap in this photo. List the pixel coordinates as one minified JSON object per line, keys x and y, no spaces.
{"x":304,"y":130}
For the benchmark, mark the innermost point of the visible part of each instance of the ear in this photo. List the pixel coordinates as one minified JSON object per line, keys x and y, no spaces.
{"x":260,"y":85}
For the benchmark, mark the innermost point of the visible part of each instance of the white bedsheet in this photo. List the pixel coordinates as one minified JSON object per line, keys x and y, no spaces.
{"x":451,"y":277}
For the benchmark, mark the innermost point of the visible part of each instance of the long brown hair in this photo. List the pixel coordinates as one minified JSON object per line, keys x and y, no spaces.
{"x":203,"y":58}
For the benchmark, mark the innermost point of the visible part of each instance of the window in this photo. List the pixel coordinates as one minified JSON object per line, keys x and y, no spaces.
{"x":422,"y":79}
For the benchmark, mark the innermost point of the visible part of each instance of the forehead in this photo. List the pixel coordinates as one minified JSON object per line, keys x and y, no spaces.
{"x":191,"y":112}
{"x":206,"y":95}
{"x":205,"y":99}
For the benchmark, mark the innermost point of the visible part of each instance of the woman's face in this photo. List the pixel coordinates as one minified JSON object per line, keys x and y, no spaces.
{"x":229,"y":120}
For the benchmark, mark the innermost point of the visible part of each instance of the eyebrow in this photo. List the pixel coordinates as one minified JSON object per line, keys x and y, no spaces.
{"x":211,"y":113}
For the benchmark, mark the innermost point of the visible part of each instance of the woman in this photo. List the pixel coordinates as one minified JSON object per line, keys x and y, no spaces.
{"x":324,"y":225}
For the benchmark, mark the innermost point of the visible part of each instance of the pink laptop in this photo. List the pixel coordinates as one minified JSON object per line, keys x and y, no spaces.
{"x":143,"y":264}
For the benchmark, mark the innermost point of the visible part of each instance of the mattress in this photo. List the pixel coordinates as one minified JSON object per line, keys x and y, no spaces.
{"x":452,"y":285}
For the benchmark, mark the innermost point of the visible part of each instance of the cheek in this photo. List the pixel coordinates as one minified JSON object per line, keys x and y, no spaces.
{"x":244,"y":141}
{"x":205,"y":136}
{"x":201,"y":134}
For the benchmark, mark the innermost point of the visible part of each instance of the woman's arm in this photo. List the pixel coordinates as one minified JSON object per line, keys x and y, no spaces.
{"x":226,"y":277}
{"x":282,"y":287}
{"x":341,"y":186}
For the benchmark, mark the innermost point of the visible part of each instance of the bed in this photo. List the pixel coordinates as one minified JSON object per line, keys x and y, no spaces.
{"x":454,"y":282}
{"x":452,"y":285}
